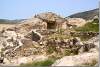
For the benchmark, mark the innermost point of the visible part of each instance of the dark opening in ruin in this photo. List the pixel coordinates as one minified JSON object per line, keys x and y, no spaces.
{"x":51,"y":25}
{"x":35,"y":37}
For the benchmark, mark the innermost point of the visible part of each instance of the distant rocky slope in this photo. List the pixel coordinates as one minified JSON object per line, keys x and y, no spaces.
{"x":6,"y":21}
{"x":87,"y":15}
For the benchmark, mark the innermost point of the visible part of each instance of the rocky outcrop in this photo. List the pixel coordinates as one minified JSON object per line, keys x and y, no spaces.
{"x":78,"y":60}
{"x":94,"y":40}
{"x":83,"y":59}
{"x":76,"y":22}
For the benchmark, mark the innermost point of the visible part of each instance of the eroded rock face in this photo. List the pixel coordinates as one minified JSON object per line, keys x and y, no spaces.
{"x":90,"y":57}
{"x":14,"y":44}
{"x":10,"y":39}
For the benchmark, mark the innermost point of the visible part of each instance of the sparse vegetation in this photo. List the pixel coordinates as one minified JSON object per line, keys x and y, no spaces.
{"x":87,"y":15}
{"x":67,"y":52}
{"x":83,"y":38}
{"x":90,"y":26}
{"x":94,"y":62}
{"x":47,"y":62}
{"x":59,"y":36}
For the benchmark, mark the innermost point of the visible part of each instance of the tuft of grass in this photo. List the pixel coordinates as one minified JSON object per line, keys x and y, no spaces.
{"x":47,"y":62}
{"x":59,"y":36}
{"x":67,"y":52}
{"x":83,"y":38}
{"x":50,"y":50}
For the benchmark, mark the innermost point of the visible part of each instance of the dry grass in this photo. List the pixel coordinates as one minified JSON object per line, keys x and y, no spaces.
{"x":6,"y":26}
{"x":93,"y":63}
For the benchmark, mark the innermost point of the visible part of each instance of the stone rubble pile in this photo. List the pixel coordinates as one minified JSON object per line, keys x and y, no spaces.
{"x":13,"y":44}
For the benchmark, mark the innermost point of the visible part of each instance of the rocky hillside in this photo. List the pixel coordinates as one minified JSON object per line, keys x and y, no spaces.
{"x":87,"y":15}
{"x":42,"y":39}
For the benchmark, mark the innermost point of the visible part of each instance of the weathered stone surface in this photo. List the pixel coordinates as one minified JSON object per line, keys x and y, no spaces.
{"x":49,"y":16}
{"x":53,"y":21}
{"x":78,"y":22}
{"x":90,"y":57}
{"x":77,"y":60}
{"x":24,"y":60}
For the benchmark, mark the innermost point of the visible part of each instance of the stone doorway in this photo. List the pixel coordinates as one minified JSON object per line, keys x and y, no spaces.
{"x":51,"y":25}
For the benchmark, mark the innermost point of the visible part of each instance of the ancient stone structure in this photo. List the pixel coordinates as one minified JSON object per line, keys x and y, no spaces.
{"x":41,"y":35}
{"x":52,"y":21}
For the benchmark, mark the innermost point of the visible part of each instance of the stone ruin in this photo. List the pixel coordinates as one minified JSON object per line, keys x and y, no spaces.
{"x":13,"y":45}
{"x":52,"y":20}
{"x":29,"y":38}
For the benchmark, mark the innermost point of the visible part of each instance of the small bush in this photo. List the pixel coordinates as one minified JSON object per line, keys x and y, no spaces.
{"x":47,"y":62}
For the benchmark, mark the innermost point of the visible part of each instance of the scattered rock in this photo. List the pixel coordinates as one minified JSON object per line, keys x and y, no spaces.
{"x":82,"y":59}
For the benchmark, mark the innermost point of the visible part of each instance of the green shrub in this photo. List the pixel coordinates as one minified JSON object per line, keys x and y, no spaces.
{"x":90,"y":26}
{"x":47,"y":62}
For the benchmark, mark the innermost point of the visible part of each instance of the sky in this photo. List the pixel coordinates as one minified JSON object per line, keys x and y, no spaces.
{"x":22,"y":9}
